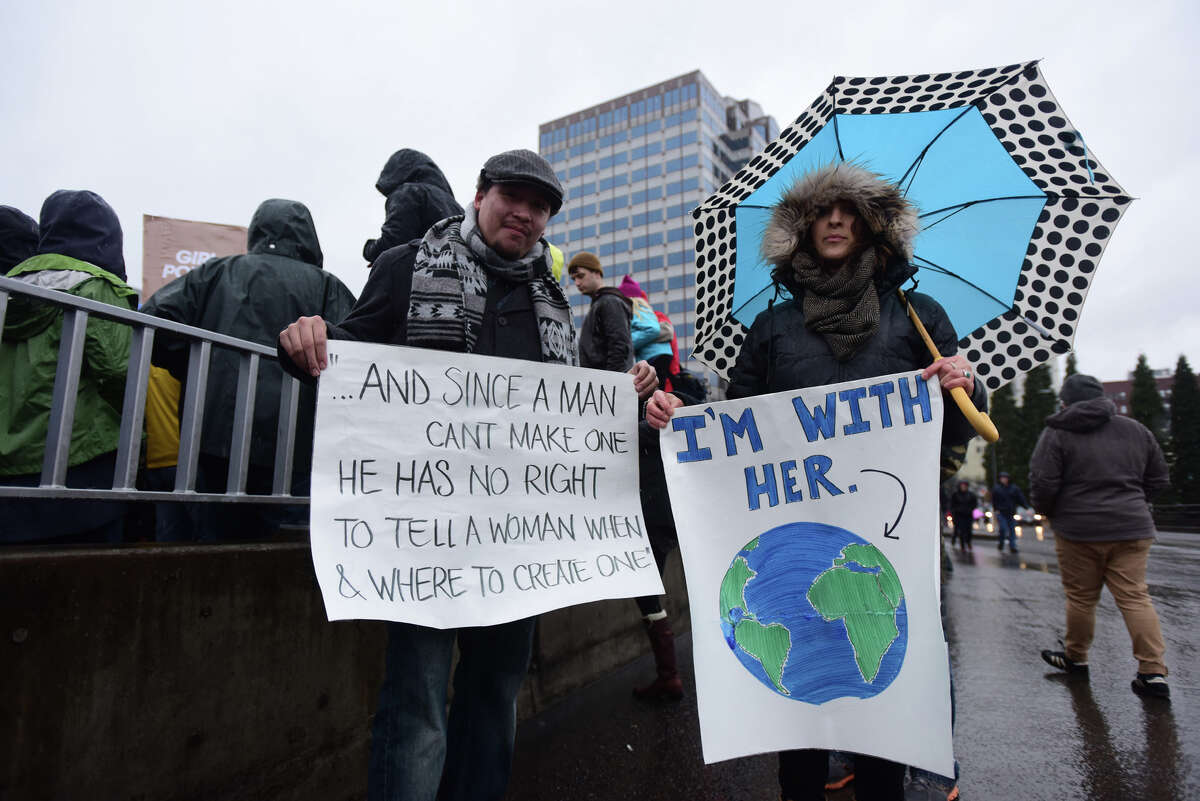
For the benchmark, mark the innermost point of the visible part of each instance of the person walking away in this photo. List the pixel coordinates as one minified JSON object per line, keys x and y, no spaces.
{"x":840,"y":242}
{"x":508,"y":305}
{"x":653,"y":334}
{"x":1093,"y":473}
{"x":418,"y":195}
{"x":963,"y":503}
{"x":251,"y":296}
{"x":1006,"y":497}
{"x":79,"y":252}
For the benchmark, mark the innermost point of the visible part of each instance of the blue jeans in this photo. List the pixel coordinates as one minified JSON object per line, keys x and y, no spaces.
{"x":1006,"y":529}
{"x":419,"y":755}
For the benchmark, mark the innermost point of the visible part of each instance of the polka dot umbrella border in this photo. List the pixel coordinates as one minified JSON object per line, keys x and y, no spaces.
{"x":1083,"y":206}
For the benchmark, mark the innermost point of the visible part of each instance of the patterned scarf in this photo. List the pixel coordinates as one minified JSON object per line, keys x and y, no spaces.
{"x":449,"y":291}
{"x":842,"y":306}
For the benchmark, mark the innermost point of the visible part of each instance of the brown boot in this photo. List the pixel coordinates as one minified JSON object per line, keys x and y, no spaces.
{"x":666,"y":685}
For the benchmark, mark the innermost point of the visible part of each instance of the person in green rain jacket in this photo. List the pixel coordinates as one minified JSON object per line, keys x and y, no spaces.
{"x":79,"y":252}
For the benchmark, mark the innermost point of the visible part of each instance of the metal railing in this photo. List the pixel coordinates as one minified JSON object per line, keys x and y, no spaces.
{"x":56,"y":455}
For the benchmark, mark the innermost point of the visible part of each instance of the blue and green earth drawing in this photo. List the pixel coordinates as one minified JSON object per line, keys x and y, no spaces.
{"x":815,"y":612}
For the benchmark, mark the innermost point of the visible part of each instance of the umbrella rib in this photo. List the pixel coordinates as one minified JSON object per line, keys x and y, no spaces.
{"x":921,"y":157}
{"x":1027,"y":320}
{"x":940,"y":269}
{"x":967,"y":204}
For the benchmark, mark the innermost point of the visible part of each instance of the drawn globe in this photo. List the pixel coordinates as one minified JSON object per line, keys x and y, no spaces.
{"x":815,"y":613}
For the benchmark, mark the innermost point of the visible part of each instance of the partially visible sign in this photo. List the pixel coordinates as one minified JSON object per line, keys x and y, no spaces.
{"x":171,"y":248}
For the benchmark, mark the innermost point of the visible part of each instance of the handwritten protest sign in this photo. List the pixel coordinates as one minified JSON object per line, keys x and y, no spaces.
{"x":459,"y":490}
{"x":808,"y":527}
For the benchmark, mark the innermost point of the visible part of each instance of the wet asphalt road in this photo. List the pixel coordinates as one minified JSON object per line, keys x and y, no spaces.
{"x":1024,"y":731}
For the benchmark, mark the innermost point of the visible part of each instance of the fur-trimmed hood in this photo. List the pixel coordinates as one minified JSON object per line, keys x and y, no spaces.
{"x":891,"y":219}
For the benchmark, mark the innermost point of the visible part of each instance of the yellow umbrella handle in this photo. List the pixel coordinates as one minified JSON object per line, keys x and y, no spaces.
{"x":978,"y":420}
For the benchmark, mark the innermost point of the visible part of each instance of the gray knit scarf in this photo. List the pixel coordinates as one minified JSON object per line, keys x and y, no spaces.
{"x":842,"y":306}
{"x":449,"y":291}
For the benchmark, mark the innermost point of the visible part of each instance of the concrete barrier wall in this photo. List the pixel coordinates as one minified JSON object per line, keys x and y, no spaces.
{"x":212,"y":673}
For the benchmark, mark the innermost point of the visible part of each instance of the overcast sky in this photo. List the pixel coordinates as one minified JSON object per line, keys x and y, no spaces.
{"x":202,"y":112}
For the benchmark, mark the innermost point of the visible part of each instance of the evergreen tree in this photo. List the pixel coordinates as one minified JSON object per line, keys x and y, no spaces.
{"x":1003,"y":456}
{"x":1145,"y":404}
{"x":1072,"y":365}
{"x":1038,"y":403}
{"x":1185,"y":434}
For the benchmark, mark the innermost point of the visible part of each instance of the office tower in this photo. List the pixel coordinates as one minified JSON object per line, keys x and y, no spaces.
{"x":633,"y":168}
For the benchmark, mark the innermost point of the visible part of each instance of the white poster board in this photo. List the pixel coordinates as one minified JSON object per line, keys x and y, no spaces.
{"x":459,"y":490}
{"x":808,"y":525}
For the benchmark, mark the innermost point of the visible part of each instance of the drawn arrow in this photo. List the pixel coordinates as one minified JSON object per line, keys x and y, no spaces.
{"x":887,"y":530}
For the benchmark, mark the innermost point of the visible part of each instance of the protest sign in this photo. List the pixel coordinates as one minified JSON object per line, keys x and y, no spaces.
{"x":172,"y":248}
{"x":808,"y":527}
{"x":459,"y":490}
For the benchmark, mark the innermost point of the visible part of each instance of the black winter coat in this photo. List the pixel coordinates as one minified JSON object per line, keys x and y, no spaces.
{"x":963,"y":503}
{"x":1007,"y":499}
{"x":418,"y":195}
{"x":253,"y":296}
{"x":781,"y":354}
{"x":605,"y":341}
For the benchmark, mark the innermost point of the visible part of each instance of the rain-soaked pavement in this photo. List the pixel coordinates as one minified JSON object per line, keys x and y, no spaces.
{"x":1024,"y":731}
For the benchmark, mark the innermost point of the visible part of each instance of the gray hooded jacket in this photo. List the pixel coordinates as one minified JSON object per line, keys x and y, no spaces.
{"x":1094,"y":471}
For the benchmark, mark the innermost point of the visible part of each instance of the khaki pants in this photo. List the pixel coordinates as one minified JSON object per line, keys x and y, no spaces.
{"x":1085,"y":568}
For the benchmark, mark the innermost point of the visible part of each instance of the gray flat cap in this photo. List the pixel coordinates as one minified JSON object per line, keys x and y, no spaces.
{"x":525,"y":167}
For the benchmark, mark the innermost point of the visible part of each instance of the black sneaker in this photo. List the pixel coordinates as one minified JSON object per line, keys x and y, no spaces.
{"x":1059,"y":660}
{"x":1151,"y":684}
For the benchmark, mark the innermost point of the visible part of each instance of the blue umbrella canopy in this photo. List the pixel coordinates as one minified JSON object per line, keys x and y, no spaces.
{"x":1015,"y":210}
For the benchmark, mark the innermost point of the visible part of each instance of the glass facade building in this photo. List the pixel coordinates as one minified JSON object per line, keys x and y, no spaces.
{"x":633,"y":168}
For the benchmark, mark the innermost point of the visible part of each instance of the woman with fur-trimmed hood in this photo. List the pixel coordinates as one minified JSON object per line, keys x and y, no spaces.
{"x":840,"y":243}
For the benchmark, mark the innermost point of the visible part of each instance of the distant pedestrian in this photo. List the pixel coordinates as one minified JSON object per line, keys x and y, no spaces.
{"x":1093,"y":473}
{"x":962,"y":509}
{"x":418,"y":195}
{"x":80,"y":253}
{"x":1006,"y":497}
{"x":251,"y":296}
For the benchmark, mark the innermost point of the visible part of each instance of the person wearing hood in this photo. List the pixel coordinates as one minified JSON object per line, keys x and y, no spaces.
{"x":250,"y":296}
{"x":418,"y":195}
{"x":963,"y":504}
{"x":18,"y":237}
{"x":653,"y":334}
{"x":80,"y":252}
{"x":1093,"y":473}
{"x":840,"y":242}
{"x":605,"y":338}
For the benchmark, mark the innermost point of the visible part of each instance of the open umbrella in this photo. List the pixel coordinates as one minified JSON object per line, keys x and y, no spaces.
{"x":1015,"y":209}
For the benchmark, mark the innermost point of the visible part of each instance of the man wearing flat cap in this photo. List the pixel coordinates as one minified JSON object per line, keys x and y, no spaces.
{"x":1093,"y":473}
{"x":477,"y":283}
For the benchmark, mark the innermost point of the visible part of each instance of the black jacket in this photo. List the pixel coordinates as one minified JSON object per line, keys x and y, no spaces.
{"x":1094,"y":472}
{"x":1007,"y":499}
{"x":963,"y":503}
{"x":781,"y":354}
{"x":605,"y":341}
{"x":18,"y":237}
{"x":418,"y":195}
{"x":253,"y":296}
